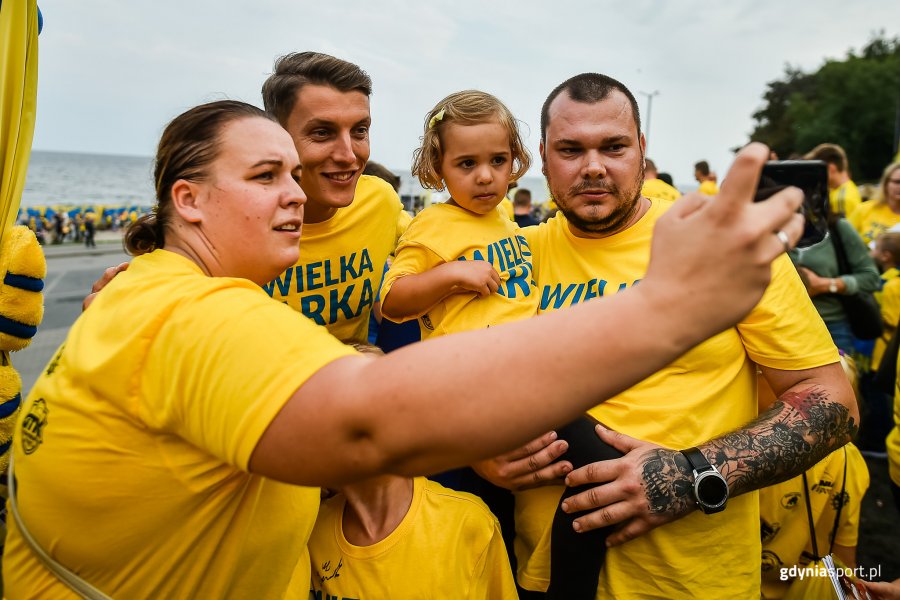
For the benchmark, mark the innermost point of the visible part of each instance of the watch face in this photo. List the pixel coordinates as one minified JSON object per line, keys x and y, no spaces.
{"x":711,"y":490}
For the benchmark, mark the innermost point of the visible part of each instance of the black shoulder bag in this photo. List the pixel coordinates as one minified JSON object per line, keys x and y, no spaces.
{"x":861,"y":308}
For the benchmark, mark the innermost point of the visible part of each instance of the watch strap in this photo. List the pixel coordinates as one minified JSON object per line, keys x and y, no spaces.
{"x":696,"y":460}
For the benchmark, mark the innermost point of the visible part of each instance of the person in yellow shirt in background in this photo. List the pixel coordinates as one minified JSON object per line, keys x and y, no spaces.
{"x":876,"y":410}
{"x":886,"y":254}
{"x":654,"y":187}
{"x":835,"y":487}
{"x":785,"y":524}
{"x":352,"y":221}
{"x":872,"y":218}
{"x":843,"y":193}
{"x":406,"y":537}
{"x":706,"y":179}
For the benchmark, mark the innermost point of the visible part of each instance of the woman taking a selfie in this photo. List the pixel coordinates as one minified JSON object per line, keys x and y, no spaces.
{"x":166,"y":448}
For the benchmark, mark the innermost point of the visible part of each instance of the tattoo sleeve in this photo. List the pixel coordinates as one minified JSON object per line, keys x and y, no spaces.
{"x":667,"y":482}
{"x":797,"y":431}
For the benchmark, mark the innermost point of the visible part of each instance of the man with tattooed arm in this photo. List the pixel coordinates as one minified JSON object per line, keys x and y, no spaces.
{"x":694,"y":422}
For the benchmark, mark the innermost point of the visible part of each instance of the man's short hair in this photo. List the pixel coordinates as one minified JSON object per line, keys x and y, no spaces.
{"x":522,"y":197}
{"x":588,"y":88}
{"x":378,"y":170}
{"x":890,"y":242}
{"x":295,"y":70}
{"x":831,"y":154}
{"x":649,"y":166}
{"x":702,"y":167}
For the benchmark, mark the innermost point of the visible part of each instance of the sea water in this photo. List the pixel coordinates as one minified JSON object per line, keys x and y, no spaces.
{"x":79,"y":179}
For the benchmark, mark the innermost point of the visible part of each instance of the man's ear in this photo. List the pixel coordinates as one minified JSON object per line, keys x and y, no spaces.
{"x":543,"y":153}
{"x":185,"y":196}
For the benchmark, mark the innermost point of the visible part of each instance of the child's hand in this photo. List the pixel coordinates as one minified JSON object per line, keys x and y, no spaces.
{"x":473,"y":276}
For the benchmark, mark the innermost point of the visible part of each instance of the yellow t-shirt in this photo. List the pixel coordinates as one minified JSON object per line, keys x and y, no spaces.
{"x":871,"y":219}
{"x":705,"y":393}
{"x":508,"y":208}
{"x":336,"y":280}
{"x":132,"y":449}
{"x":442,"y":233}
{"x":447,"y":546}
{"x":785,"y":523}
{"x":708,"y":188}
{"x":659,"y":189}
{"x":893,"y":438}
{"x":845,"y":198}
{"x":889,"y":301}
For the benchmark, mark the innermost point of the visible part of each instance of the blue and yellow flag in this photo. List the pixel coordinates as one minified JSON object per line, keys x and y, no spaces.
{"x":18,"y":102}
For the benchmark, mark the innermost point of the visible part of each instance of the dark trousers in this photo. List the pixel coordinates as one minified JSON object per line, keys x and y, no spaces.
{"x":576,"y":558}
{"x":896,"y":491}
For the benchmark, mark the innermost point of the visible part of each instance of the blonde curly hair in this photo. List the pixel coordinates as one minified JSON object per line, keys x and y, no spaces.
{"x":469,"y":107}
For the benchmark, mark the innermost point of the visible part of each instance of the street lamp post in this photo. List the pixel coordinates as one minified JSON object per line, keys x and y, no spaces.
{"x":649,"y":96}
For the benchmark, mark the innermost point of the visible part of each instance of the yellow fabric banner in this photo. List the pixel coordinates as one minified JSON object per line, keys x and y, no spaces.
{"x":18,"y":102}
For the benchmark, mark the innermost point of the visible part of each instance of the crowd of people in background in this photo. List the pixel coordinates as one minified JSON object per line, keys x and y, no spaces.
{"x":60,"y":224}
{"x":721,"y":468}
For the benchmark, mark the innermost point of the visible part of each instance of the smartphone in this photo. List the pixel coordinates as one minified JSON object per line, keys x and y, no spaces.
{"x":811,"y":176}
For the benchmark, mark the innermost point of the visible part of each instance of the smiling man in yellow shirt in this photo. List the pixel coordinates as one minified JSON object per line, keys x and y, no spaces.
{"x":351,"y":221}
{"x":654,"y":187}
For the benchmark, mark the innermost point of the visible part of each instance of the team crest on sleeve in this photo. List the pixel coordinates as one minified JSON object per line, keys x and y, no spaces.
{"x":33,"y":426}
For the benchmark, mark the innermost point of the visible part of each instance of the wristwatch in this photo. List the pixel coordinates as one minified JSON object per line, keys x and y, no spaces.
{"x":710,"y":488}
{"x":832,"y":286}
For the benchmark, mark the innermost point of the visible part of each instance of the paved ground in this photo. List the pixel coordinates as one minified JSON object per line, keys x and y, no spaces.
{"x":72,"y":269}
{"x":879,"y":527}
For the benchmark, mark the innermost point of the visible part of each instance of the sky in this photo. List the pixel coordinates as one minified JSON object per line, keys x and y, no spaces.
{"x":113,"y":73}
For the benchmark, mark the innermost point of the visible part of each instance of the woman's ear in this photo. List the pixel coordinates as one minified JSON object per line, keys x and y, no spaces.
{"x":185,"y":196}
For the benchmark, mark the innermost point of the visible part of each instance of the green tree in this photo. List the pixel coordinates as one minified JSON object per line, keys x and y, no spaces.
{"x":852,"y":102}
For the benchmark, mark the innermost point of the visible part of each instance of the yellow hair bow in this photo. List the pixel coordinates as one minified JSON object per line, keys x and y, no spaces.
{"x":437,"y":117}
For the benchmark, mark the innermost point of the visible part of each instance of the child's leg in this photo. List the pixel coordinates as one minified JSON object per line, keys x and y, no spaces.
{"x":576,"y":558}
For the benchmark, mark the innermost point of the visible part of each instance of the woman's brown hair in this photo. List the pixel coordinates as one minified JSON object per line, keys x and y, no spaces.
{"x":189,"y":144}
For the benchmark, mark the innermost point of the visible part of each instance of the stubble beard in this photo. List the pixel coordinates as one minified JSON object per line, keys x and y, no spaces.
{"x":627,"y":204}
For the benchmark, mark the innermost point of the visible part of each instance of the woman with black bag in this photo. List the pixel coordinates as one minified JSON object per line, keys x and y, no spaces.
{"x":840,"y":277}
